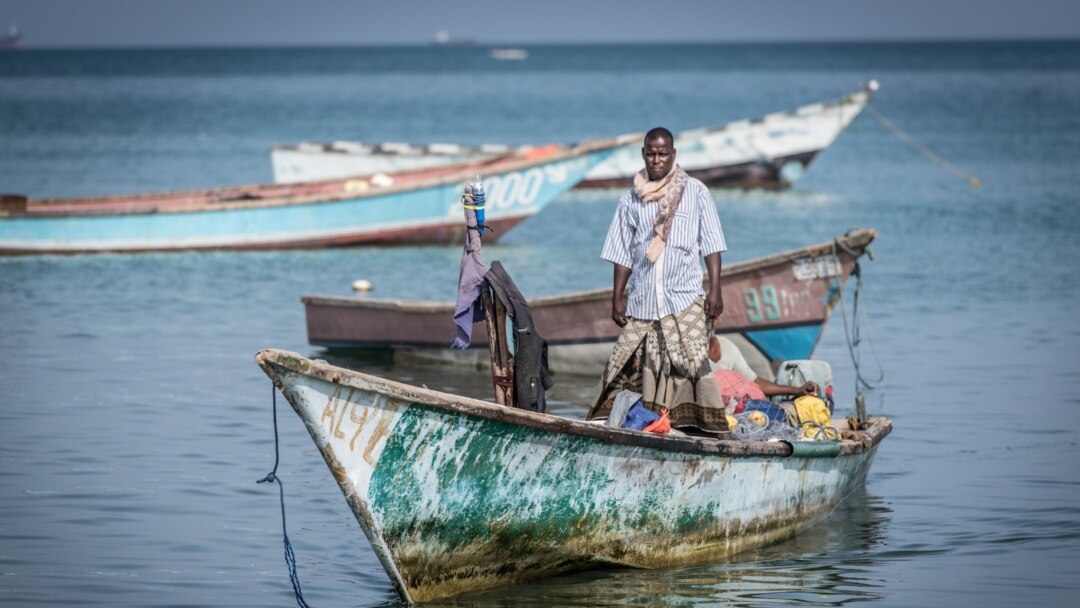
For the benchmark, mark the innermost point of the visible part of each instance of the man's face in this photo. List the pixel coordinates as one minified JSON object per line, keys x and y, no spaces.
{"x":659,"y":155}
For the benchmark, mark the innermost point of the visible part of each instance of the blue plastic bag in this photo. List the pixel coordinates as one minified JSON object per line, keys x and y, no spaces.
{"x":771,"y":410}
{"x":639,"y":417}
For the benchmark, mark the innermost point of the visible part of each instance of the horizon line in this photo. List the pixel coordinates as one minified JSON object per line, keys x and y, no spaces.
{"x":503,"y":44}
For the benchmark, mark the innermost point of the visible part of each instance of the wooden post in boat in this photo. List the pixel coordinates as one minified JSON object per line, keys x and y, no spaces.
{"x":502,"y":361}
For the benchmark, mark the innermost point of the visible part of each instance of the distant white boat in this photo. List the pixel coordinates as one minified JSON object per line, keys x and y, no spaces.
{"x":770,"y":151}
{"x":443,"y":38}
{"x":509,"y":54}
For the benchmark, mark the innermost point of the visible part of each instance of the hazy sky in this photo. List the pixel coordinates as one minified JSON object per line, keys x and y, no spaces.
{"x":95,"y":23}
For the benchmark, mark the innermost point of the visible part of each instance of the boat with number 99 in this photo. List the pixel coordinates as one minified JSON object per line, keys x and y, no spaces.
{"x":775,"y":309}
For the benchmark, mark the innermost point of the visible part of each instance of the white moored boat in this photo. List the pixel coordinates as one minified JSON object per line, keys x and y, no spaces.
{"x":770,"y":151}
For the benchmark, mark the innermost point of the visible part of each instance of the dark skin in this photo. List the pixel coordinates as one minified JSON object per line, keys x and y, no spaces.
{"x":659,"y":156}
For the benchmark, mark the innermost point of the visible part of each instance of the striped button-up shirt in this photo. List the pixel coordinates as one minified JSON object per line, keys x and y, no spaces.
{"x":674,"y":281}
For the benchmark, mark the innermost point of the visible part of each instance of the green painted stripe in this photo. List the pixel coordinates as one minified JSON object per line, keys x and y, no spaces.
{"x":489,"y":487}
{"x":814,"y":449}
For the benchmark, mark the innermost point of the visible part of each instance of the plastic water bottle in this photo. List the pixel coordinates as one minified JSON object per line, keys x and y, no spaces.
{"x":478,"y":201}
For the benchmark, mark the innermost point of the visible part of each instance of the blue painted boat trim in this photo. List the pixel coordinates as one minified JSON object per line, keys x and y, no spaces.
{"x":788,"y":343}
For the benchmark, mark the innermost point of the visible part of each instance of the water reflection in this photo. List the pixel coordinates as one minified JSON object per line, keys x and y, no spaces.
{"x":830,"y":564}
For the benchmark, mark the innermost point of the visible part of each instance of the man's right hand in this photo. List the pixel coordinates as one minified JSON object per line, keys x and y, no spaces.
{"x":618,"y":291}
{"x":618,"y":311}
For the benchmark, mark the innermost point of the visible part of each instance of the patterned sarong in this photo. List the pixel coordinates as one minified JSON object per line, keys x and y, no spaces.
{"x":667,"y":362}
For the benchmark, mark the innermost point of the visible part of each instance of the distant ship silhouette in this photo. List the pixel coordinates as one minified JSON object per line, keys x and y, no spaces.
{"x":13,"y":39}
{"x":443,"y":38}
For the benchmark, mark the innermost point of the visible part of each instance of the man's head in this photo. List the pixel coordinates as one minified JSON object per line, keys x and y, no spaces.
{"x":658,"y":153}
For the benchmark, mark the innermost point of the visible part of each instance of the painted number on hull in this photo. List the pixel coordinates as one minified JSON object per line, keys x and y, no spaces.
{"x":761,"y":306}
{"x":375,"y":419}
{"x":514,"y":189}
{"x":521,"y":189}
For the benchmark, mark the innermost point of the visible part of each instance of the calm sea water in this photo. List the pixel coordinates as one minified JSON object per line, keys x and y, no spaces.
{"x":134,"y":423}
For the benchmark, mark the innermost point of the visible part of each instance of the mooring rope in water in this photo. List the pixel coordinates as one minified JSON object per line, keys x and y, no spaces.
{"x":854,"y":343}
{"x":921,"y":149}
{"x":271,"y":477}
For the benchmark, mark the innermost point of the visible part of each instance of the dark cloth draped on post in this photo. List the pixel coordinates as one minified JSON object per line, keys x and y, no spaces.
{"x":531,"y":377}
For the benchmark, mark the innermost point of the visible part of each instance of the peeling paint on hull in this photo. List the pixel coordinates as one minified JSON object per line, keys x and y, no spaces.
{"x":458,"y":495}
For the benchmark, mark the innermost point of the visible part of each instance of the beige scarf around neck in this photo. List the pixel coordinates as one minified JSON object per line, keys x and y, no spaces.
{"x":668,"y":190}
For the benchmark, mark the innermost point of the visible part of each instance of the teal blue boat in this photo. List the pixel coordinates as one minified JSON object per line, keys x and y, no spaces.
{"x":420,"y":206}
{"x":457,"y":495}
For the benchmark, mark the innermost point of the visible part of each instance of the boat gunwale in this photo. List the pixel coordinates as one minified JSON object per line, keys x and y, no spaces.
{"x":329,"y":148}
{"x":856,"y":239}
{"x":141,"y":204}
{"x":858,"y":97}
{"x":273,"y":360}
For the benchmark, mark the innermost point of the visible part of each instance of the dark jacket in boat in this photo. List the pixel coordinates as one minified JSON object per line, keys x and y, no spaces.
{"x":531,"y":376}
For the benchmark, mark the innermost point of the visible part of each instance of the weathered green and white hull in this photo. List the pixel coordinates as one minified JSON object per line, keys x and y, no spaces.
{"x":457,"y":495}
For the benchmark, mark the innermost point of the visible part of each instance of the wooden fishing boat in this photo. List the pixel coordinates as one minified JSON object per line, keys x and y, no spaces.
{"x":419,"y":206}
{"x":770,"y":151}
{"x":775,"y":309}
{"x":457,"y":495}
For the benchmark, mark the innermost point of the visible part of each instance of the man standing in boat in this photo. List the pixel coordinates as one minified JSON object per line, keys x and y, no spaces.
{"x":663,"y":226}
